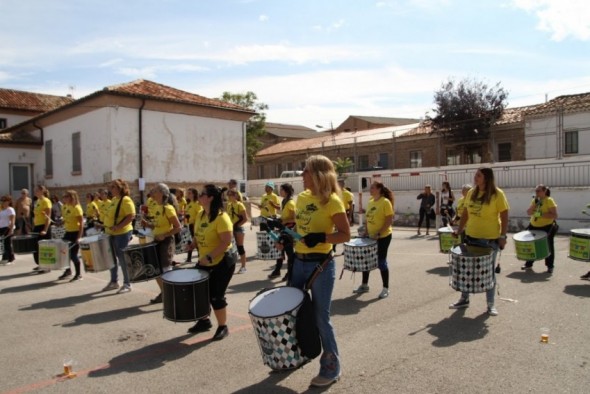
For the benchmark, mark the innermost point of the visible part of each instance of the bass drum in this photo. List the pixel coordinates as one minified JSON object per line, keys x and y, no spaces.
{"x":185,"y":294}
{"x":142,"y":262}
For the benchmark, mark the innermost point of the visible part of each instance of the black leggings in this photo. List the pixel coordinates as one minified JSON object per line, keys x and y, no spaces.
{"x":219,"y":277}
{"x":424,"y":213}
{"x":7,"y":255}
{"x":72,"y":238}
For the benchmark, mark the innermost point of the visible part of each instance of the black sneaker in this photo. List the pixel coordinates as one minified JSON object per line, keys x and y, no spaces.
{"x":462,"y":303}
{"x":585,"y":276}
{"x":67,"y":273}
{"x":157,"y":300}
{"x":549,"y":270}
{"x":76,"y":278}
{"x":201,"y":326}
{"x":220,"y":333}
{"x":274,"y":274}
{"x":526,"y":267}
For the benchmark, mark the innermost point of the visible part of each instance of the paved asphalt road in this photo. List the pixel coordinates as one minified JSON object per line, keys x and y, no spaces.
{"x":408,"y":343}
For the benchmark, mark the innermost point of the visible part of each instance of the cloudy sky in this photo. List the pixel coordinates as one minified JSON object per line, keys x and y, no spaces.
{"x":313,"y":62}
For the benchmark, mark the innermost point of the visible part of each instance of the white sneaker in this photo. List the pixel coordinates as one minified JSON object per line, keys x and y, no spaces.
{"x":361,"y":289}
{"x":124,"y":289}
{"x":384,"y":293}
{"x":242,"y":270}
{"x":111,"y":286}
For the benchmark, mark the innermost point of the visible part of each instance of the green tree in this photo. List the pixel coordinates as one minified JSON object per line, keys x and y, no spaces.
{"x":342,"y":165}
{"x":466,"y":110}
{"x":256,"y":126}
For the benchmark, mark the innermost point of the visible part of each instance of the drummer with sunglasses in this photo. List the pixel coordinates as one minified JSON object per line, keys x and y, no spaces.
{"x":543,"y":212}
{"x":213,"y":233}
{"x":321,"y":221}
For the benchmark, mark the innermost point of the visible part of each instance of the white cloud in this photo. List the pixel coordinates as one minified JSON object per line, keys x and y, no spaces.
{"x":561,"y":18}
{"x":263,"y":18}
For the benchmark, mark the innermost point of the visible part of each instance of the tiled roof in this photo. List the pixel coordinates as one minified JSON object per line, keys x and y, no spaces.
{"x":27,"y":101}
{"x":337,"y":139}
{"x":385,"y":120}
{"x":149,"y":89}
{"x":290,"y":131}
{"x":570,"y":103}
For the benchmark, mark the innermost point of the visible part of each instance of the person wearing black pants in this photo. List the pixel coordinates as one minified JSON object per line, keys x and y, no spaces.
{"x":7,"y":225}
{"x":41,"y":220}
{"x":378,"y":224}
{"x":543,"y":212}
{"x":427,"y":201}
{"x":74,"y":226}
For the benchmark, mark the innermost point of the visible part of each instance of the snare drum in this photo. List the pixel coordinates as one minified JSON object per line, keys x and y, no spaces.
{"x":97,"y":253}
{"x":185,"y":294}
{"x":57,"y":232}
{"x":531,"y":245}
{"x":185,"y":241}
{"x":472,"y":269}
{"x":24,"y":244}
{"x":266,"y":247}
{"x":580,"y":244}
{"x":446,"y":241}
{"x":274,"y":314}
{"x":142,"y":262}
{"x":360,"y":254}
{"x":54,"y":254}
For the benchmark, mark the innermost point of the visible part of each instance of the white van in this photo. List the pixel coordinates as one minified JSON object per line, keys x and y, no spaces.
{"x":291,"y":174}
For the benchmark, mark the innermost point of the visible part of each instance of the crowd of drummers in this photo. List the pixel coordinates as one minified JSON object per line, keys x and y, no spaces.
{"x":304,"y":231}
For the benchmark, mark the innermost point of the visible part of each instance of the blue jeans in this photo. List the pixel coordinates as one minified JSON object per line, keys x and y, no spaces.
{"x":120,"y":242}
{"x":321,"y":294}
{"x":486,"y":243}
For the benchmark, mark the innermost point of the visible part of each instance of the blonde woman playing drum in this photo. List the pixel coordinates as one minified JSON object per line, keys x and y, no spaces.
{"x":41,"y":220}
{"x":74,"y":226}
{"x":378,"y":224}
{"x":319,"y":211}
{"x":485,"y":221}
{"x":543,"y":212}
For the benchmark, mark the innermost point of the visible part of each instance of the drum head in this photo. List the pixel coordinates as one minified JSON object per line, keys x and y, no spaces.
{"x":360,"y":242}
{"x":470,"y":251}
{"x":27,"y":236}
{"x":581,"y":232}
{"x":445,"y":230}
{"x":139,"y":246}
{"x":90,"y":239}
{"x":189,"y":275}
{"x":528,"y":236}
{"x":276,"y":302}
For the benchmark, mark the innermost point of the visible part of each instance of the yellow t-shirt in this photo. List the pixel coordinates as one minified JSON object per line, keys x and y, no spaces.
{"x":152,"y":205}
{"x":313,"y":217}
{"x":127,"y":208}
{"x":460,"y":206}
{"x":207,"y":234}
{"x":545,"y":204}
{"x":266,"y":209}
{"x":192,"y":209}
{"x":72,"y":215}
{"x":288,"y":212}
{"x":235,"y":210}
{"x":347,"y":199}
{"x":43,"y":204}
{"x":103,"y":206}
{"x":182,"y":205}
{"x":92,"y":210}
{"x":484,"y":219}
{"x":377,"y":211}
{"x":163,"y":214}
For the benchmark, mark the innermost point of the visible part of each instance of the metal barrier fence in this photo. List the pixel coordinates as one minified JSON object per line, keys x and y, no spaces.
{"x":550,"y":172}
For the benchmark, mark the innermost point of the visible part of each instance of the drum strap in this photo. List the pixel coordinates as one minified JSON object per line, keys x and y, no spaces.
{"x":118,"y":209}
{"x":316,"y":271}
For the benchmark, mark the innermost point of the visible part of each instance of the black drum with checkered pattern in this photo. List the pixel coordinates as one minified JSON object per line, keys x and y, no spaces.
{"x":360,"y":254}
{"x":274,"y":314}
{"x":266,"y":247}
{"x":472,"y":269}
{"x":185,"y":241}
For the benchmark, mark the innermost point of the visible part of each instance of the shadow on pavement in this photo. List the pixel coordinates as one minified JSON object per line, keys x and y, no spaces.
{"x":15,"y":276}
{"x":29,"y":287}
{"x":529,"y":276}
{"x":253,"y":286}
{"x":148,"y":358}
{"x":60,"y":302}
{"x":351,"y":305}
{"x":578,"y":290}
{"x":442,"y":271}
{"x":269,"y":385}
{"x":456,"y":329}
{"x":108,"y":316}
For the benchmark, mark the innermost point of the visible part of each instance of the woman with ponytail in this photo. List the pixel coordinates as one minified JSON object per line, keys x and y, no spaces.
{"x":379,"y":218}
